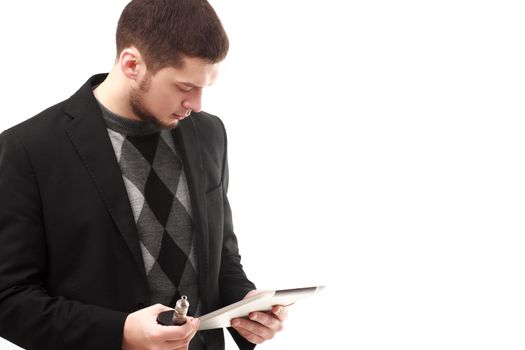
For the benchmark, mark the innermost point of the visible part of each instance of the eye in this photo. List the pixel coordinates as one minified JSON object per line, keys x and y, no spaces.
{"x":185,"y":90}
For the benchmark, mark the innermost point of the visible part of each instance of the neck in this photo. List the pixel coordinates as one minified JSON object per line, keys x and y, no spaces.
{"x":113,"y":93}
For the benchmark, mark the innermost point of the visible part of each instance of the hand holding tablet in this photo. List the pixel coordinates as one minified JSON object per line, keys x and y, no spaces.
{"x":262,"y":301}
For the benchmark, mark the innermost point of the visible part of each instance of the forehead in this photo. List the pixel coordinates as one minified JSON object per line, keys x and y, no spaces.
{"x":195,"y":71}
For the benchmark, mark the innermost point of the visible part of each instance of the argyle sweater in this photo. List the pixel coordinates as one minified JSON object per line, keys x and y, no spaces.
{"x":158,"y":193}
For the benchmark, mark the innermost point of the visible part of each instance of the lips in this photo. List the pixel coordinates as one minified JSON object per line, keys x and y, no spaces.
{"x":178,"y":117}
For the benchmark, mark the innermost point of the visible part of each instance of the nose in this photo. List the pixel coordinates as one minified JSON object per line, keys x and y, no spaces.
{"x":193,"y":100}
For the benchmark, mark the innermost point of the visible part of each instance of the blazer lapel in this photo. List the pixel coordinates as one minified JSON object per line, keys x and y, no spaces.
{"x":89,"y":136}
{"x":188,"y":145}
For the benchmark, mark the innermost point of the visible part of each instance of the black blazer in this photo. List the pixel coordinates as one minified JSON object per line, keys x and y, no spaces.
{"x":71,"y":269}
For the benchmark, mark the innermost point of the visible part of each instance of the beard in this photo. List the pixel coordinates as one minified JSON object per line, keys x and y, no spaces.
{"x":136,"y":100}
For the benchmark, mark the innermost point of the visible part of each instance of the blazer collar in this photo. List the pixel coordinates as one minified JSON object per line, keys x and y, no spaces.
{"x":90,"y":138}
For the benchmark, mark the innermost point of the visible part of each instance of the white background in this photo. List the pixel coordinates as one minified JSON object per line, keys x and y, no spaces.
{"x":376,"y":147}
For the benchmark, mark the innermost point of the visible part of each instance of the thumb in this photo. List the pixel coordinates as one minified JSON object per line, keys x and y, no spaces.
{"x":158,"y":308}
{"x":193,"y":322}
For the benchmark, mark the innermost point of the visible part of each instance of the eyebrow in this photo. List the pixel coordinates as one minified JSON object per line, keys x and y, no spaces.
{"x":189,"y":84}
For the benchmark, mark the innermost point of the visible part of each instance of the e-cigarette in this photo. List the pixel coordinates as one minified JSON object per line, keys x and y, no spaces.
{"x":175,"y":317}
{"x":181,"y":310}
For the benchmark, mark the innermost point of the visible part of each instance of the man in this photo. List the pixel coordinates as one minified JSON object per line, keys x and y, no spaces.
{"x":113,"y":202}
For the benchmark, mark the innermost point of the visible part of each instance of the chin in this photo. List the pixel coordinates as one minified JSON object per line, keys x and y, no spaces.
{"x":171,"y":125}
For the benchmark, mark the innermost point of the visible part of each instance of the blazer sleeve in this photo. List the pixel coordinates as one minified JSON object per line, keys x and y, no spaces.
{"x":233,"y":282}
{"x":29,"y":316}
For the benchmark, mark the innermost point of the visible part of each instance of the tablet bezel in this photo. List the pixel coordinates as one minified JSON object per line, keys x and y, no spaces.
{"x":263,"y":301}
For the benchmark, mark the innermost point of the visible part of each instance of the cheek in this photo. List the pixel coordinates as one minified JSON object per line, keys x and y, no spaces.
{"x":164,"y":101}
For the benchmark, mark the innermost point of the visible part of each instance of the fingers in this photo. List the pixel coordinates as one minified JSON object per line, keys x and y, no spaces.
{"x":141,"y":331}
{"x":281,"y":312}
{"x":253,"y":328}
{"x":181,"y":333}
{"x":268,"y":320}
{"x":261,"y":326}
{"x":248,"y":335}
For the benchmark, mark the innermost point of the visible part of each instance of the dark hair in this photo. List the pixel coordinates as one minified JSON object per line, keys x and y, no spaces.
{"x":166,"y":30}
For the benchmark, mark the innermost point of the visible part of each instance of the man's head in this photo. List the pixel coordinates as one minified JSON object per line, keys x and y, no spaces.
{"x":168,"y":51}
{"x":164,"y":31}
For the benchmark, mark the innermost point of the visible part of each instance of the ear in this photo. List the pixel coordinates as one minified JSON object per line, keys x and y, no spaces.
{"x":131,"y":63}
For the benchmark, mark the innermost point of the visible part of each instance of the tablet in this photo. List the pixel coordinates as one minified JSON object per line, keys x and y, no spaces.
{"x":264,"y":301}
